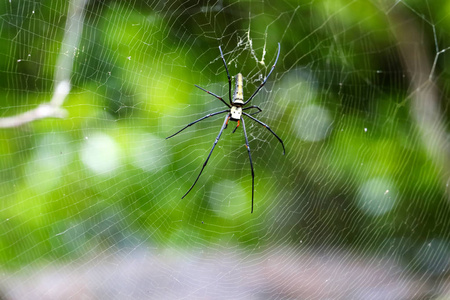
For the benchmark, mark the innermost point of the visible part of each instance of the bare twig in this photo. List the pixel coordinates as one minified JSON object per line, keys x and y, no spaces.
{"x":63,"y":71}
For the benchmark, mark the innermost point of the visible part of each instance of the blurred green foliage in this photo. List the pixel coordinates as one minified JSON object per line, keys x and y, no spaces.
{"x":133,"y":85}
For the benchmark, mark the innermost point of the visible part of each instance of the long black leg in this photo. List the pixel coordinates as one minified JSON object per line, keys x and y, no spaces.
{"x":211,"y":93}
{"x":192,"y":123}
{"x":204,"y":164}
{"x":250,"y":157}
{"x":228,"y":74}
{"x":265,"y":80}
{"x":261,"y":123}
{"x":256,"y":112}
{"x":237,"y":125}
{"x":253,"y":106}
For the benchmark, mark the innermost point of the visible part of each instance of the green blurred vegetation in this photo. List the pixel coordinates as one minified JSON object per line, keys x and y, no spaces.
{"x":133,"y":85}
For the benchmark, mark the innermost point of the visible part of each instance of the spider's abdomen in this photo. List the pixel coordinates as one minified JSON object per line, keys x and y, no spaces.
{"x":238,"y":96}
{"x":236,"y":112}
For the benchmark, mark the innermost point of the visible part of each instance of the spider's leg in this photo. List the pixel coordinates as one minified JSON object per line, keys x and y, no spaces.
{"x":226,"y":123}
{"x":228,"y":74}
{"x":261,"y":123}
{"x":265,"y":80}
{"x":211,"y":93}
{"x":196,"y":121}
{"x":256,"y":112}
{"x":253,"y":106}
{"x":234,"y":130}
{"x":204,"y":164}
{"x":250,"y":157}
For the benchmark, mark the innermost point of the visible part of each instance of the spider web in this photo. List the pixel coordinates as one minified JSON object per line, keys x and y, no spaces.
{"x":91,"y":207}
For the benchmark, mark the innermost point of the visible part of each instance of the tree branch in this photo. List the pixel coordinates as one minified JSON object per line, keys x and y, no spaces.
{"x":63,"y":71}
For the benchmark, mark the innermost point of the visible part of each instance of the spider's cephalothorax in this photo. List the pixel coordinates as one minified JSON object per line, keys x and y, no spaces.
{"x":235,"y":112}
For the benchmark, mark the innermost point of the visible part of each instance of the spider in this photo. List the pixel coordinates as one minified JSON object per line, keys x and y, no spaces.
{"x":235,"y":112}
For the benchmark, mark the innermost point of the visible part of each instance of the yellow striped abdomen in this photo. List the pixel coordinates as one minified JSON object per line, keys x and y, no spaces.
{"x":238,"y":96}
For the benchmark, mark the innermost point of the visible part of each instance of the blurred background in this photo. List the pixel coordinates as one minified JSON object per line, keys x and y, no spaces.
{"x":90,"y":189}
